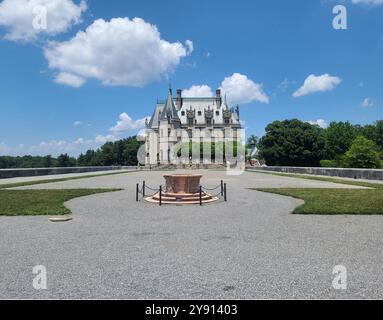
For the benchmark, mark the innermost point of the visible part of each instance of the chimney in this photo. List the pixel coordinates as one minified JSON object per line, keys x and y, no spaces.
{"x":218,"y":97}
{"x":179,"y":99}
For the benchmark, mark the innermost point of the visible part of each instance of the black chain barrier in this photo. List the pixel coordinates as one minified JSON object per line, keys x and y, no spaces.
{"x":222,"y":194}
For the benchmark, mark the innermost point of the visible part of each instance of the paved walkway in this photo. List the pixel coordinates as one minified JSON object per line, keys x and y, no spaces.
{"x":249,"y":247}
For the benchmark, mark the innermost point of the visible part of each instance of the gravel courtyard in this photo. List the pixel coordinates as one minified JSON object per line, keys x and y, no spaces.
{"x":250,"y":247}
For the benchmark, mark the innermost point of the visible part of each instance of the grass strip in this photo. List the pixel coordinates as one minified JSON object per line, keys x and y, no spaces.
{"x":44,"y":202}
{"x":334,"y":201}
{"x":41,"y":202}
{"x":327,"y":179}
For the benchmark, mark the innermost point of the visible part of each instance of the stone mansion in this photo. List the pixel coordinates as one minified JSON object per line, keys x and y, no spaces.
{"x":180,"y":120}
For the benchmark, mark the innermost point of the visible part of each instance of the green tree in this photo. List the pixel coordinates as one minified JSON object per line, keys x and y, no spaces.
{"x":292,"y":143}
{"x":64,"y":160}
{"x":47,"y":161}
{"x":374,"y":132}
{"x":339,"y":137}
{"x":362,"y":154}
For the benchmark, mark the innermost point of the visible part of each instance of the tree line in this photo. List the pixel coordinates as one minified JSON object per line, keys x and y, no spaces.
{"x":122,"y":153}
{"x":341,"y":144}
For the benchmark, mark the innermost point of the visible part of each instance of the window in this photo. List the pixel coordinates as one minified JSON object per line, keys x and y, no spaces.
{"x":199,"y":113}
{"x":208,"y":121}
{"x":217,"y":113}
{"x":182,"y":113}
{"x":190,"y":121}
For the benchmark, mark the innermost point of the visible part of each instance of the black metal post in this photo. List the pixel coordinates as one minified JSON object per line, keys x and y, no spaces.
{"x":137,"y":190}
{"x":221,"y":188}
{"x":143,"y":189}
{"x":200,"y":195}
{"x":160,"y":195}
{"x":224,"y":192}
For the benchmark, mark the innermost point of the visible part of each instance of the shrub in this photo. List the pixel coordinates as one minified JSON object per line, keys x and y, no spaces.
{"x":329,"y":163}
{"x":362,"y":154}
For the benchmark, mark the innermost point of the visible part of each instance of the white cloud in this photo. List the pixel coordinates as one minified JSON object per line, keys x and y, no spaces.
{"x":116,"y":52}
{"x":315,"y":83}
{"x":238,"y":88}
{"x":320,"y":122}
{"x":19,"y":17}
{"x":189,"y":46}
{"x":198,"y":91}
{"x":52,"y":147}
{"x":80,"y":145}
{"x":368,"y":102}
{"x":101,"y":139}
{"x":69,"y":79}
{"x":241,"y":90}
{"x":79,"y":141}
{"x":285,"y":84}
{"x":77,"y":123}
{"x":371,"y":2}
{"x":126,"y":123}
{"x":56,"y":147}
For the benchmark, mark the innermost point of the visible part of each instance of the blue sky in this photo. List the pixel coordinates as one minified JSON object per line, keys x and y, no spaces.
{"x":65,"y":93}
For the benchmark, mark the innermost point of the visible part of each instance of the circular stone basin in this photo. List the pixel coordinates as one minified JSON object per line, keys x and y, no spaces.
{"x":182,"y":189}
{"x":182,"y":183}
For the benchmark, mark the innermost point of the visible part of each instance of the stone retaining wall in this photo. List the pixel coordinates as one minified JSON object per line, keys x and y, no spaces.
{"x":369,"y":174}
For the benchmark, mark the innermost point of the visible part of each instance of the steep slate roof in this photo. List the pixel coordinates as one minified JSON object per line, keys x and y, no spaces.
{"x":170,"y":108}
{"x":155,"y":117}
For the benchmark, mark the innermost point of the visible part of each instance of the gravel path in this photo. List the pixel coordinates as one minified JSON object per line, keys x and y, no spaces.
{"x":249,"y":247}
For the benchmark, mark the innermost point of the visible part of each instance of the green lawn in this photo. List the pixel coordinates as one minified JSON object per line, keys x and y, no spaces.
{"x":43,"y":202}
{"x":321,"y":178}
{"x":333,"y":201}
{"x":40,"y":202}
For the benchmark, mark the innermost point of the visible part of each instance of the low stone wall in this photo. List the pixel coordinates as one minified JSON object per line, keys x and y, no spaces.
{"x":13,"y":173}
{"x":369,"y":174}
